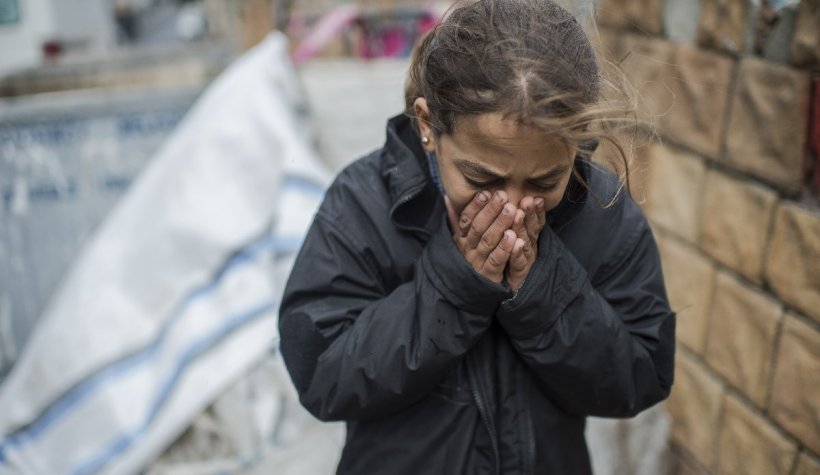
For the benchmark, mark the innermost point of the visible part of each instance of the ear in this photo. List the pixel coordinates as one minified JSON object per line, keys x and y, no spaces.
{"x":422,"y":112}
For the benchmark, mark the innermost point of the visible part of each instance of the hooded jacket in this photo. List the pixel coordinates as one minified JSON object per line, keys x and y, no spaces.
{"x":438,"y":370}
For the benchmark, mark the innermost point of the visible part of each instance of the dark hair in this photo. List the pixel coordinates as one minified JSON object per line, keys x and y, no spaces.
{"x":530,"y":60}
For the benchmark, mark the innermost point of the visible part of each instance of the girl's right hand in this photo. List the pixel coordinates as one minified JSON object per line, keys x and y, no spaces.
{"x":482,"y":232}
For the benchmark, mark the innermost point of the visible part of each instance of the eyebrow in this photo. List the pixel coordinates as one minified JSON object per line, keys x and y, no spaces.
{"x":474,"y":168}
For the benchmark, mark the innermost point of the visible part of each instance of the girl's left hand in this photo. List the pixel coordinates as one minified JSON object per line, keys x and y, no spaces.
{"x":527,"y":225}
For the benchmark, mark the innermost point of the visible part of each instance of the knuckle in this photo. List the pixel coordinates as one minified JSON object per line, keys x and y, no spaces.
{"x":493,"y":209}
{"x":487,"y":240}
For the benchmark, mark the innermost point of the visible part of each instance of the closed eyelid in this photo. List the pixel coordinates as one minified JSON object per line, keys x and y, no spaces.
{"x":475,"y":171}
{"x":471,"y":168}
{"x":544,"y":186}
{"x":483,"y":181}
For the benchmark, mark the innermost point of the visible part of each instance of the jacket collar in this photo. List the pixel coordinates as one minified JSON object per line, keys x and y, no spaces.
{"x":416,"y":203}
{"x":575,"y":196}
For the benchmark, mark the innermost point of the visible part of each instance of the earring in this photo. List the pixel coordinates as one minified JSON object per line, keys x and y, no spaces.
{"x":425,"y":140}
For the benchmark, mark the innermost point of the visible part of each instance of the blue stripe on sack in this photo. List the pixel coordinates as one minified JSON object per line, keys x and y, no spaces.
{"x":122,"y":443}
{"x":57,"y":410}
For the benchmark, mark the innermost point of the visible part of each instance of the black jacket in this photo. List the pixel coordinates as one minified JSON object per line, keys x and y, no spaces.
{"x":436,"y":369}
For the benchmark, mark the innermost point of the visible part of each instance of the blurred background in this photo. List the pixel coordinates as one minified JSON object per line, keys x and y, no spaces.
{"x":92,"y":90}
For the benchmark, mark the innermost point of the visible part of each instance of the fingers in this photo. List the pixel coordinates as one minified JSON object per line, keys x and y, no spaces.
{"x":518,"y":260}
{"x":518,"y":266}
{"x":485,"y":218}
{"x":541,"y":210}
{"x":518,"y":223}
{"x":496,"y":262}
{"x":497,"y":238}
{"x":470,"y":211}
{"x":489,"y":241}
{"x":535,"y":218}
{"x":452,"y":215}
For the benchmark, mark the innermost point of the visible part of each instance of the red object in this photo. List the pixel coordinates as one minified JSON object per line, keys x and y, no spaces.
{"x":52,"y":49}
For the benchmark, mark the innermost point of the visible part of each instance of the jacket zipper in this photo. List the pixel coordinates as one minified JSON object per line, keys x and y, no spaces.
{"x":407,"y":197}
{"x":482,"y":409}
{"x":530,"y":429}
{"x":412,"y":194}
{"x":483,"y":412}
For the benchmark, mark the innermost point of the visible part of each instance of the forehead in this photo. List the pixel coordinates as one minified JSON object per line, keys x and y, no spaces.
{"x":503,"y":145}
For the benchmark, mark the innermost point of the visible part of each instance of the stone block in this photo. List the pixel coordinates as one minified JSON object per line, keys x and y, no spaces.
{"x":735,"y":222}
{"x":690,"y":281}
{"x":805,"y":47}
{"x":751,"y":445}
{"x":680,"y":20}
{"x":695,"y":406}
{"x":793,"y":264}
{"x":642,"y":16}
{"x":701,"y":91}
{"x":648,"y":67}
{"x":742,"y":332}
{"x":725,"y":24}
{"x":681,"y":465}
{"x":794,"y":403}
{"x":767,"y":126}
{"x":675,"y":189}
{"x":807,"y":465}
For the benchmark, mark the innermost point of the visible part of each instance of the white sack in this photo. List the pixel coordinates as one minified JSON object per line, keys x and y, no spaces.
{"x":175,"y":297}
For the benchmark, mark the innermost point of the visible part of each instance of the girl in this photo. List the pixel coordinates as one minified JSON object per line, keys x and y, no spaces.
{"x":469,"y":293}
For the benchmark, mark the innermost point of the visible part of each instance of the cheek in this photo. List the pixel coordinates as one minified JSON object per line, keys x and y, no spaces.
{"x":459,"y":193}
{"x":551,"y":200}
{"x":459,"y":196}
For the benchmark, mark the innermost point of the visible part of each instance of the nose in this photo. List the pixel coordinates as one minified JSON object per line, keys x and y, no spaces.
{"x":514,"y":194}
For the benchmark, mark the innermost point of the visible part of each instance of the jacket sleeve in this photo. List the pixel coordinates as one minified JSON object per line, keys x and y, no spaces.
{"x":356,"y":349}
{"x":601,"y":350}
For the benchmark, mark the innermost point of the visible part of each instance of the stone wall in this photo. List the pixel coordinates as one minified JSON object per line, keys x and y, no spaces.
{"x":731,"y":190}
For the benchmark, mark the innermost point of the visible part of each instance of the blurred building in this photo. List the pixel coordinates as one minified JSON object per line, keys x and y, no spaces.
{"x":33,"y":31}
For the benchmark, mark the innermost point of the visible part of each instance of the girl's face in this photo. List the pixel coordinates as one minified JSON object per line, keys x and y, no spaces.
{"x":489,"y":152}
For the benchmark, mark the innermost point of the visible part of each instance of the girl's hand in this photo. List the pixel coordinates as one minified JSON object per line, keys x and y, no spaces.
{"x":482,"y":233}
{"x":527,"y":225}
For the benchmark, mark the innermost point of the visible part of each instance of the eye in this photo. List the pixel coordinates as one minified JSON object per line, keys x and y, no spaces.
{"x":482,"y":184}
{"x":543,"y":187}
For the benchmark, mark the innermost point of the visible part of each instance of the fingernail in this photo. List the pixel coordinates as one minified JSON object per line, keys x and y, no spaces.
{"x":508,"y":234}
{"x":539,"y":202}
{"x":508,"y":209}
{"x":482,"y":197}
{"x":498,"y":198}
